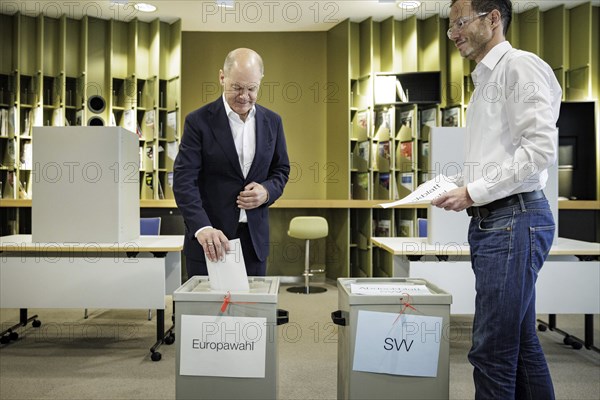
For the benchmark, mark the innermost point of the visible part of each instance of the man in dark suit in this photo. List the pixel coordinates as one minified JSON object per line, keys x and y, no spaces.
{"x":232,"y":165}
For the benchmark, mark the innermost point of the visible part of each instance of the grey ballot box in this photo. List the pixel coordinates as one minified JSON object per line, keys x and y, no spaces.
{"x":195,"y":298}
{"x":368,"y":385}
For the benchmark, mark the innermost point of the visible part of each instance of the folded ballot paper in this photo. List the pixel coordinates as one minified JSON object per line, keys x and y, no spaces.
{"x":425,"y":192}
{"x":229,"y":274}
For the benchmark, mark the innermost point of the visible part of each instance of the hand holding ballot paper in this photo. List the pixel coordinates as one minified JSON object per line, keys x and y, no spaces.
{"x":426,"y":192}
{"x":229,"y":274}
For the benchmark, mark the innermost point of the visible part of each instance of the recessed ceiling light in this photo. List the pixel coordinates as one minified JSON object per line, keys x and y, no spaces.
{"x":409,"y":4}
{"x":144,"y":7}
{"x":225,"y":3}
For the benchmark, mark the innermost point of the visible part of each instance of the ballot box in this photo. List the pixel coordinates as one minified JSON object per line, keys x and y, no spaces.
{"x":227,"y":341}
{"x":393,"y":339}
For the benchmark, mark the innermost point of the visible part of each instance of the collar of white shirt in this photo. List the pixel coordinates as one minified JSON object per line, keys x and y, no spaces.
{"x":232,"y":115}
{"x":493,"y":57}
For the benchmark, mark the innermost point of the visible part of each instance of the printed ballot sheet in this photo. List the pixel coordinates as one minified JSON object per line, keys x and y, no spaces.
{"x":229,"y":274}
{"x":426,"y":192}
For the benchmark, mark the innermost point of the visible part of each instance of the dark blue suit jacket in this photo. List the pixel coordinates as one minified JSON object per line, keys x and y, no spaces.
{"x":208,"y":177}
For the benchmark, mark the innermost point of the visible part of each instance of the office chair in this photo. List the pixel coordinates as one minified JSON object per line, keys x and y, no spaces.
{"x":308,"y":228}
{"x":148,"y":227}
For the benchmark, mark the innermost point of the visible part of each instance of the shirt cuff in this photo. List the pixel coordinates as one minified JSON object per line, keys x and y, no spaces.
{"x":478,"y":193}
{"x":200,"y":230}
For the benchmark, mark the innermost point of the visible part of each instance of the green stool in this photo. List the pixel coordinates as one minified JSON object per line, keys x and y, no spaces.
{"x":308,"y":228}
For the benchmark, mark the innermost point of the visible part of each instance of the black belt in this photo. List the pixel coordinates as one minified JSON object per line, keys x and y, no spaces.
{"x":484,"y":211}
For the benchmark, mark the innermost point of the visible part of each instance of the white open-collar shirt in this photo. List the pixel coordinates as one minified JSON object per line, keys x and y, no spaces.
{"x":512,"y":136}
{"x":244,"y":137}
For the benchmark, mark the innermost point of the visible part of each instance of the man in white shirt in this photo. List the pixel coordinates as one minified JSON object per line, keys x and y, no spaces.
{"x":511,"y":141}
{"x":231,"y":166}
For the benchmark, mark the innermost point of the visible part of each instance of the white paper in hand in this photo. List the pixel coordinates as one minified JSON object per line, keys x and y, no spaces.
{"x":229,"y":274}
{"x":426,"y":192}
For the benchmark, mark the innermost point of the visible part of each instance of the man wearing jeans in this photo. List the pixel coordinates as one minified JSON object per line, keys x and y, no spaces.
{"x":511,"y":141}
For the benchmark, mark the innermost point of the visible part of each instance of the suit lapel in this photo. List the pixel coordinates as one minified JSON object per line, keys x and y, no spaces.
{"x":222,"y":133}
{"x":263,"y":142}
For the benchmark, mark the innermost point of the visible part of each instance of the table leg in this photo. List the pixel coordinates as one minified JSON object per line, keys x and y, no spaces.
{"x":569,"y":339}
{"x":552,"y":321}
{"x":167,"y":337}
{"x":589,"y":332}
{"x":160,"y":324}
{"x":10,"y":334}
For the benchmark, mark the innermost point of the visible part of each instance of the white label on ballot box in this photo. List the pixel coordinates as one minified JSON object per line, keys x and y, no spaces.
{"x":397,"y":344}
{"x":375,"y":289}
{"x":223,"y":346}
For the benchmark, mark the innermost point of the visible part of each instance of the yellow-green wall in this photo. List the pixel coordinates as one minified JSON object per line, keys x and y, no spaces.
{"x":294,"y":86}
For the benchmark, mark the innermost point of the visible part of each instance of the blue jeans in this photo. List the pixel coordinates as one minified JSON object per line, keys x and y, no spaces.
{"x":508,"y":249}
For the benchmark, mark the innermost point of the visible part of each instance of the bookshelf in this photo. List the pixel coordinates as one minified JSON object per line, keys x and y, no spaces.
{"x":569,"y":43}
{"x":387,"y":135}
{"x":353,"y":55}
{"x":386,"y":152}
{"x":87,"y":72}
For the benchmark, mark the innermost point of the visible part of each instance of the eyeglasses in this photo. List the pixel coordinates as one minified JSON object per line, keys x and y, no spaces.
{"x":460,"y":23}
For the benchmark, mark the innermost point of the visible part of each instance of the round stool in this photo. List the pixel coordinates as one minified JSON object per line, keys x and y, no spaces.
{"x":308,"y":228}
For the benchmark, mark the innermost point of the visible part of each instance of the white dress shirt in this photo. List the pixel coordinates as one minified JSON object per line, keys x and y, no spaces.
{"x":244,"y":137}
{"x":512,"y":136}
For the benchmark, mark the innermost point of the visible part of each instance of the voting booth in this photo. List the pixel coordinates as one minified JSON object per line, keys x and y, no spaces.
{"x":393,"y":339}
{"x":227,"y":341}
{"x":86,"y":183}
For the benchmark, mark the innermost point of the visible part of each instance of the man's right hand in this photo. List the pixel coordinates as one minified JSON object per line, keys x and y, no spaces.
{"x":456,"y":200}
{"x":214,"y":243}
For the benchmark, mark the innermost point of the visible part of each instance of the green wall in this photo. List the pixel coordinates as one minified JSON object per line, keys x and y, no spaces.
{"x":294,"y":86}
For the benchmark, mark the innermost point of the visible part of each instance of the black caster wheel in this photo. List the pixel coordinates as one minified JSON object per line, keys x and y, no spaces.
{"x":170,"y":339}
{"x":36,"y":323}
{"x":542,"y":328}
{"x":156,"y":356}
{"x":576,"y":345}
{"x":13,"y":336}
{"x":4,"y":339}
{"x":567,"y":340}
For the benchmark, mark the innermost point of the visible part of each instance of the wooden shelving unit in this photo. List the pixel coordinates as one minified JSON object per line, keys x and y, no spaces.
{"x":136,"y":67}
{"x":378,"y":150}
{"x":62,"y":71}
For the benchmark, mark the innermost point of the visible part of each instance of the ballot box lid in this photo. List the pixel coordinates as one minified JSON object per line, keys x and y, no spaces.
{"x":197,"y":289}
{"x":391,"y":291}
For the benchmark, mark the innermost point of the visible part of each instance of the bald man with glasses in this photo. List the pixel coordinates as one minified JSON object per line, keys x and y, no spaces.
{"x":231,"y":166}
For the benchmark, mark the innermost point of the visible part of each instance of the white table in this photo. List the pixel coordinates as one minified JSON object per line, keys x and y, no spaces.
{"x":130,"y":275}
{"x":565,"y":285}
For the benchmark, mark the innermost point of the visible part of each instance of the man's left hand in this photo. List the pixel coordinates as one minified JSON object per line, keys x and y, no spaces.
{"x":253,"y":195}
